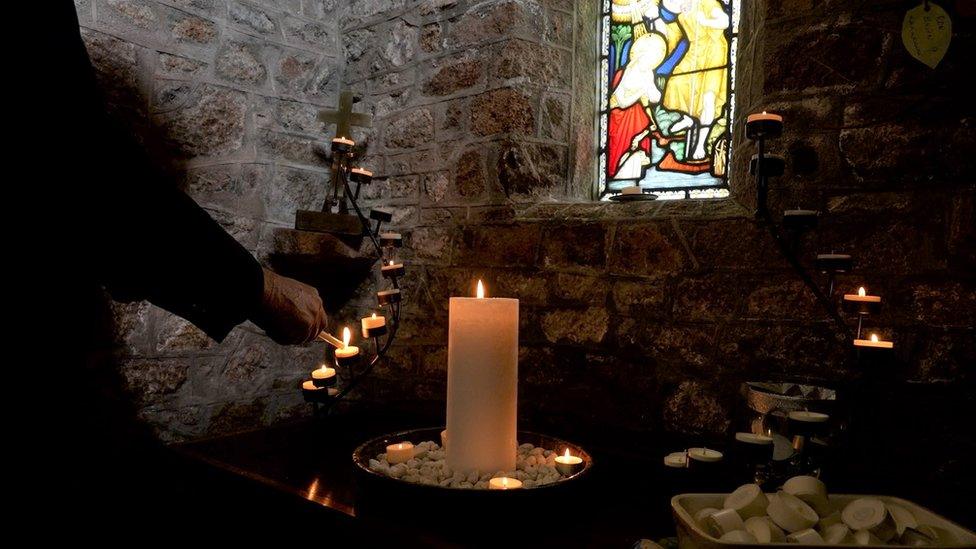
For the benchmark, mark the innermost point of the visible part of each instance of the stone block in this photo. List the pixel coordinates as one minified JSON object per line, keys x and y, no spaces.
{"x":532,"y":171}
{"x":398,"y":45}
{"x":647,"y":249}
{"x":413,"y":129}
{"x":451,"y":78}
{"x":253,"y":19}
{"x":241,"y":63}
{"x":641,"y":298}
{"x":577,"y":289}
{"x":153,"y":380}
{"x":696,"y":407}
{"x":576,"y":326}
{"x":210,"y":123}
{"x":190,"y":29}
{"x":710,"y":297}
{"x":504,"y":110}
{"x":498,"y":246}
{"x":575,"y":247}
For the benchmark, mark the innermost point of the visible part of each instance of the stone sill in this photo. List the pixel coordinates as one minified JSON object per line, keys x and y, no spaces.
{"x":705,"y":209}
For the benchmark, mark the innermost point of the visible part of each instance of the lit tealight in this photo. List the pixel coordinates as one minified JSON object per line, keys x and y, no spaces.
{"x":504,"y":483}
{"x":401,"y":452}
{"x":568,"y":465}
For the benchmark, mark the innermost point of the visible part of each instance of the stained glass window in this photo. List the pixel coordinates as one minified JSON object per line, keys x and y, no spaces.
{"x":667,"y":84}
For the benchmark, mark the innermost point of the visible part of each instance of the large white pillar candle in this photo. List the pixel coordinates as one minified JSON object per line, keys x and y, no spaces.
{"x":482,"y":383}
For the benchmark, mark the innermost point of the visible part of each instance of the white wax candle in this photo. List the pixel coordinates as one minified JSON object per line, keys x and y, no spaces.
{"x":752,"y":438}
{"x":764,"y":116}
{"x":862,"y":297}
{"x":401,"y":452}
{"x":309,"y":385}
{"x":567,"y":464}
{"x":347,"y":350}
{"x":482,"y":383}
{"x":504,"y":483}
{"x":808,"y":417}
{"x":323,"y":373}
{"x":704,"y":455}
{"x":874,"y":343}
{"x":676,"y":460}
{"x":372,"y":323}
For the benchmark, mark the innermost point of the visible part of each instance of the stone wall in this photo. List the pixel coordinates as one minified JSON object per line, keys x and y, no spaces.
{"x":645,"y":318}
{"x":225,"y":94}
{"x":640,"y":317}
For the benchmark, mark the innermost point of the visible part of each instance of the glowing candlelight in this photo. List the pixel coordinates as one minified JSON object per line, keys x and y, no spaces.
{"x":874,"y":342}
{"x":504,"y":483}
{"x":347,"y":352}
{"x":480,"y":292}
{"x":401,"y":452}
{"x":567,"y":464}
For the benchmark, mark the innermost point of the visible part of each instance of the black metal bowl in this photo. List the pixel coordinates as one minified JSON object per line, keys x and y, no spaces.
{"x":370,"y":479}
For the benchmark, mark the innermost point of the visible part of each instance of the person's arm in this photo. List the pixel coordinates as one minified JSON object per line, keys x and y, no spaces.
{"x":148,"y":239}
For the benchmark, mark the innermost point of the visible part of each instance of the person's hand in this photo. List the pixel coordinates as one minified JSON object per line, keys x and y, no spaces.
{"x":290,"y":312}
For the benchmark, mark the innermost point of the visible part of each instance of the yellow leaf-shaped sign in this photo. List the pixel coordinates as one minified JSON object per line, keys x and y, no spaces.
{"x":926,"y":32}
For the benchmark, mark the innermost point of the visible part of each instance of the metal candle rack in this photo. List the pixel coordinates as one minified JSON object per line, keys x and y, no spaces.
{"x":763,"y":166}
{"x":324,"y":395}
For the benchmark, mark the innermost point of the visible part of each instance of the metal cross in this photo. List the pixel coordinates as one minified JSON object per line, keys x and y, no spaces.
{"x":344,"y":118}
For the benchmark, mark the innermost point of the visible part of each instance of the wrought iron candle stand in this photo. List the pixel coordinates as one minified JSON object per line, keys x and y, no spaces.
{"x":761,"y":129}
{"x":324,"y":394}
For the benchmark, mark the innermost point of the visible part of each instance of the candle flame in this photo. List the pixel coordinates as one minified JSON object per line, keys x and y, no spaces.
{"x":481,"y":290}
{"x":374,"y":315}
{"x":346,"y":336}
{"x":764,"y":112}
{"x":391,"y":262}
{"x":861,"y":292}
{"x":323,"y":368}
{"x":504,"y":481}
{"x":769,"y":432}
{"x":567,"y":453}
{"x":874,"y":338}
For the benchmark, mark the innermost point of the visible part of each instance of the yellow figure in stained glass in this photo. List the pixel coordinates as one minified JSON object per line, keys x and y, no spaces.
{"x":698,"y":85}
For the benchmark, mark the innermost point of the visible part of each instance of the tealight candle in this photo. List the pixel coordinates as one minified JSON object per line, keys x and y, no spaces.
{"x":805,"y":416}
{"x":313,"y":393}
{"x":804,"y":423}
{"x":373,"y":326}
{"x":703,"y":457}
{"x":676,"y":460}
{"x":324,"y":376}
{"x":834,"y":263}
{"x":873,"y":343}
{"x":394,"y":240}
{"x":764,"y":125}
{"x":861,"y":303}
{"x":799,"y":219}
{"x":568,"y":465}
{"x":504,"y":483}
{"x":360,"y":175}
{"x":756,"y":448}
{"x":401,"y":452}
{"x":347,"y":353}
{"x":634,"y":189}
{"x":393,"y":270}
{"x":341,"y":144}
{"x":388,"y":297}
